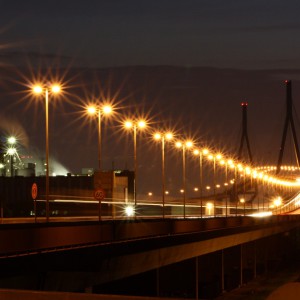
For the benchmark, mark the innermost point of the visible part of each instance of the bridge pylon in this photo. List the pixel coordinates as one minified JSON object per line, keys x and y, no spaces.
{"x":289,"y":122}
{"x":245,"y":137}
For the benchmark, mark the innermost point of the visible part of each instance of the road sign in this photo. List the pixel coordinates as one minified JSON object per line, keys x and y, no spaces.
{"x":99,"y":194}
{"x":34,"y":191}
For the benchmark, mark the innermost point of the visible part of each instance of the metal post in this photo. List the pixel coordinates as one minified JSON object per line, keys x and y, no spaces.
{"x":99,"y":140}
{"x":244,"y":188}
{"x":226,"y":190}
{"x":201,"y":181}
{"x":184,"y":179}
{"x":163,"y":172}
{"x":47,"y":153}
{"x":235,"y":190}
{"x":214,"y":182}
{"x":135,"y":164}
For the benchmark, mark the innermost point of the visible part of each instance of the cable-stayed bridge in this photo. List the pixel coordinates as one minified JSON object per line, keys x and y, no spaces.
{"x":229,"y":231}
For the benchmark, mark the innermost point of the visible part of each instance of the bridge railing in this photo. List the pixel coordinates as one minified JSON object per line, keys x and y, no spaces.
{"x":87,"y":208}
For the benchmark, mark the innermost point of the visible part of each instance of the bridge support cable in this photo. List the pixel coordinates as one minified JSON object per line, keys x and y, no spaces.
{"x":288,"y":121}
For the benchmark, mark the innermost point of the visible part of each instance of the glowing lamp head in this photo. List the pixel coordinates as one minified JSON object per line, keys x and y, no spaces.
{"x":196,"y":152}
{"x":141,"y":124}
{"x":178,"y":144}
{"x":55,"y":89}
{"x":230,"y":162}
{"x":205,"y":151}
{"x":11,"y":140}
{"x":157,"y":136}
{"x":189,"y":144}
{"x":219,"y":156}
{"x":169,"y":135}
{"x":128,"y":124}
{"x":107,"y":109}
{"x":91,"y":110}
{"x":37,"y":89}
{"x":278,"y":201}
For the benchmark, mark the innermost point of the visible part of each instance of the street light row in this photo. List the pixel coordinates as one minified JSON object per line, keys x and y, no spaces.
{"x":99,"y":111}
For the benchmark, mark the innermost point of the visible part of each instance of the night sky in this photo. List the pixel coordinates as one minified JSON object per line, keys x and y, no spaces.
{"x":235,"y":34}
{"x":183,"y":64}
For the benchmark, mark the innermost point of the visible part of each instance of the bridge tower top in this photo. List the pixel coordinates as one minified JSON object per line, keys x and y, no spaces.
{"x":289,"y":122}
{"x":244,"y":137}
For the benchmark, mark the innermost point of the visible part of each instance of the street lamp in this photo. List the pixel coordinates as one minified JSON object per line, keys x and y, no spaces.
{"x":163,"y":136}
{"x":134,"y":125}
{"x":99,"y":111}
{"x":184,"y":146}
{"x":45,"y":90}
{"x":214,"y":158}
{"x":201,"y":153}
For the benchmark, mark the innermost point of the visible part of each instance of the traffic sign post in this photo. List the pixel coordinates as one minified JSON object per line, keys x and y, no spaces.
{"x":99,"y":194}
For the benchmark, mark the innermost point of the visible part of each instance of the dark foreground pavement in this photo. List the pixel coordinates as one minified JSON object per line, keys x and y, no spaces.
{"x":264,"y":287}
